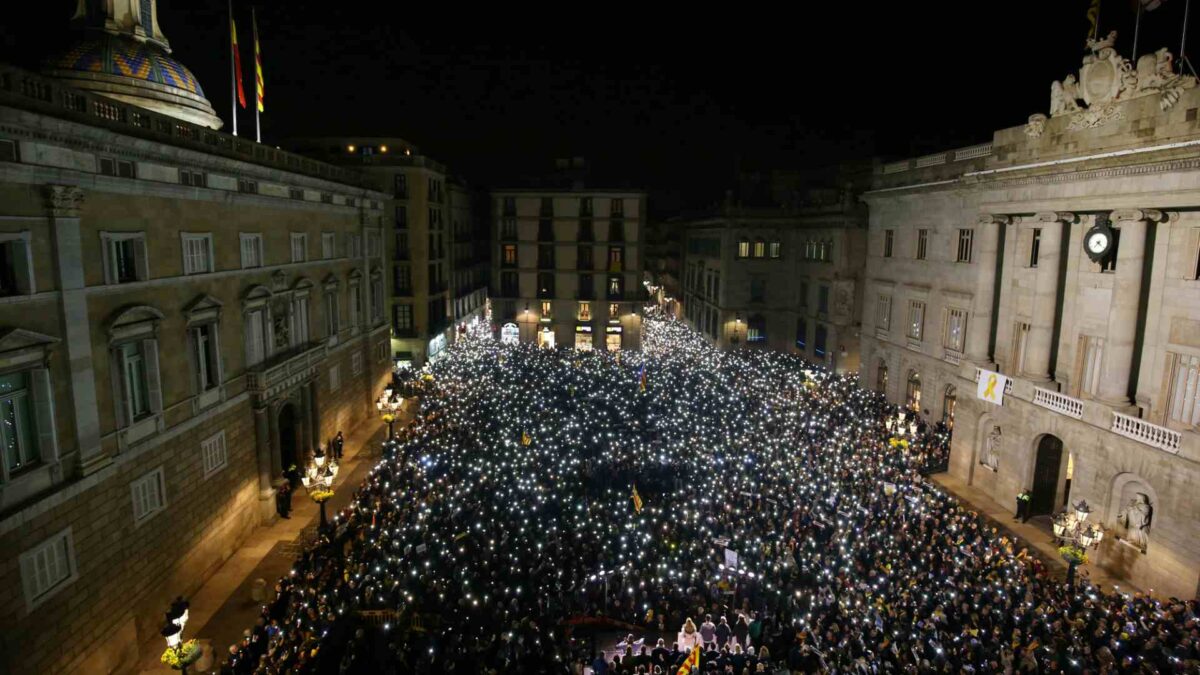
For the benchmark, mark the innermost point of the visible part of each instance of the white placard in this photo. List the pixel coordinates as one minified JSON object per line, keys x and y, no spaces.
{"x":991,"y":386}
{"x":731,"y":559}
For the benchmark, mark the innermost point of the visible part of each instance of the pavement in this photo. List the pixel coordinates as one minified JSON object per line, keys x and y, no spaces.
{"x":223,"y":606}
{"x":1036,"y":533}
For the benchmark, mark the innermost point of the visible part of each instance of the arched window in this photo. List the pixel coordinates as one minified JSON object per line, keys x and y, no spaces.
{"x":913,"y":398}
{"x":881,"y":377}
{"x":949,"y":399}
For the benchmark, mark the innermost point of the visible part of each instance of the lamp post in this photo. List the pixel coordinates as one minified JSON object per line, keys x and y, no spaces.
{"x":388,"y":407}
{"x":179,"y":655}
{"x":1073,"y":531}
{"x":737,"y":326}
{"x":318,"y":481}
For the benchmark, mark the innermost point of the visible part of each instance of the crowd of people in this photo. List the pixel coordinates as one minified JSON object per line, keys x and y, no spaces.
{"x":743,"y":502}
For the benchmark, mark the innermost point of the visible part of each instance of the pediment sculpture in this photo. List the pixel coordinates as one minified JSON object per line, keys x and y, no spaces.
{"x":1106,"y":78}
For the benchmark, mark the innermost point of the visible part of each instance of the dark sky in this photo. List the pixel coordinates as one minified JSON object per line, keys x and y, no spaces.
{"x":668,"y":102}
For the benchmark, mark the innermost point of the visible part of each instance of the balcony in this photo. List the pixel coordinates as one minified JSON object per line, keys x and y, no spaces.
{"x":1059,"y":403}
{"x":283,"y":370}
{"x":1144,"y":432}
{"x":952,"y":356}
{"x":914,"y":343}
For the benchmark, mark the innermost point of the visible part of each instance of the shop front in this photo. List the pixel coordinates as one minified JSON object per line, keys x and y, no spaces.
{"x":612,"y":338}
{"x":510,"y":334}
{"x":583,"y":337}
{"x":546,"y":338}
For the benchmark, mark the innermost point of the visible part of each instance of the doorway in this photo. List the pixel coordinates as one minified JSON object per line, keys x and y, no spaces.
{"x":288,"y":454}
{"x":1046,"y":470}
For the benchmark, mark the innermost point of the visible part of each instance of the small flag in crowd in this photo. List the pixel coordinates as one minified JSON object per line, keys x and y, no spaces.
{"x":642,"y":377}
{"x":692,"y":661}
{"x":637,"y":500}
{"x":525,"y":439}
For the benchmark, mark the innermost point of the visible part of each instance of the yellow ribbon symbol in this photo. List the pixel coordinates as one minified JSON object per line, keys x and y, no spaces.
{"x":990,"y":392}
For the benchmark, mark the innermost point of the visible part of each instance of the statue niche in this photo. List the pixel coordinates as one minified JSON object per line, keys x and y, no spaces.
{"x":1135,"y":519}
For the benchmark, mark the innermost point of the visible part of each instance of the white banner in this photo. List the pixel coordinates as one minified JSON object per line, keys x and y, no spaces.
{"x":990,"y":387}
{"x":731,"y":559}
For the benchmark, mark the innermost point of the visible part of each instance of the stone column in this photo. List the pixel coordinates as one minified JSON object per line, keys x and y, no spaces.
{"x":262,"y":443}
{"x":276,"y":448}
{"x":1123,"y":309}
{"x":314,"y":413}
{"x":986,"y":253}
{"x":304,"y":438}
{"x":63,"y":203}
{"x":1039,"y":343}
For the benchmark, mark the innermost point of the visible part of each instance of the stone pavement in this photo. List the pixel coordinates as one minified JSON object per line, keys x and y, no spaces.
{"x":1036,"y":533}
{"x":223,"y":607}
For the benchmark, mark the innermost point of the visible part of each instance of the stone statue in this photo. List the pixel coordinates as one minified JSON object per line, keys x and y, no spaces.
{"x":1036,"y":126}
{"x":1097,"y":45}
{"x":1136,"y":518}
{"x":991,"y":450}
{"x":1063,"y":97}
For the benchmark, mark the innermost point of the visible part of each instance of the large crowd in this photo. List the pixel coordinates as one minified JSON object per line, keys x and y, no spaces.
{"x":779,"y":524}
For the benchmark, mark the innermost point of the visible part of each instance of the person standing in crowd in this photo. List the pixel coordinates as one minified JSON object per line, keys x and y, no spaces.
{"x":1023,"y":499}
{"x":283,"y":500}
{"x":338,"y":442}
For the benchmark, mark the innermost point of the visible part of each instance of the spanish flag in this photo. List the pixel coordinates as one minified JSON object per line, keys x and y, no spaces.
{"x":642,"y":377}
{"x":237,"y":62}
{"x":525,"y":439}
{"x":692,"y":661}
{"x":258,"y":78}
{"x":637,"y":500}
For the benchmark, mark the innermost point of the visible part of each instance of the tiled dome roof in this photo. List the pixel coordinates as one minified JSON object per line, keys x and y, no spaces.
{"x":122,"y":57}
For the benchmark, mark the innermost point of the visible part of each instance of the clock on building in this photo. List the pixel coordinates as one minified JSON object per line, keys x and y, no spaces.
{"x":1099,"y":241}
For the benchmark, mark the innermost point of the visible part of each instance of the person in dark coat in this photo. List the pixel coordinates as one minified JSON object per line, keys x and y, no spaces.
{"x":338,"y":442}
{"x":283,"y":500}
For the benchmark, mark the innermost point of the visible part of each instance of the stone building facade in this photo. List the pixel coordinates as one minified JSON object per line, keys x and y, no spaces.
{"x":184,"y":314}
{"x":781,"y":278}
{"x":439,"y":253}
{"x":992,"y":260}
{"x":567,"y":267}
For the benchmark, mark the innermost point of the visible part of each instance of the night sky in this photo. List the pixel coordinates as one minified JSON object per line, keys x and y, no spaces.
{"x":668,"y":102}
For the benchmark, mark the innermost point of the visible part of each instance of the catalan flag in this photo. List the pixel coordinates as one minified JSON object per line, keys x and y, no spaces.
{"x":642,"y":378}
{"x":258,"y":78}
{"x":691,"y":662}
{"x":237,"y":62}
{"x":525,"y":438}
{"x":637,"y":500}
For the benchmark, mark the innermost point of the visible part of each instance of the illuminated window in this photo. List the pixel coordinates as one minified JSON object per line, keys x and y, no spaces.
{"x":585,"y":311}
{"x":743,"y":249}
{"x":916,"y":319}
{"x":546,"y":309}
{"x":760,"y":248}
{"x":614,"y":310}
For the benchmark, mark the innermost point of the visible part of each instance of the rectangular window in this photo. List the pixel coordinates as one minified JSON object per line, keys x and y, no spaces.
{"x":804,"y":294}
{"x":376,"y":299}
{"x":508,"y":228}
{"x":121,"y":168}
{"x":374,"y":244}
{"x":1020,"y":341}
{"x":760,"y":248}
{"x":404,"y":318}
{"x":329,"y":245}
{"x":247,"y":186}
{"x":774,"y":249}
{"x":922,"y":244}
{"x":510,"y":206}
{"x":124,"y":257}
{"x":1090,"y":363}
{"x":965,"y":239}
{"x":296,"y":193}
{"x":758,"y":290}
{"x":889,"y":239}
{"x":213,"y":454}
{"x":326,"y":198}
{"x":956,"y":326}
{"x":148,"y":496}
{"x":546,"y":306}
{"x":197,"y":253}
{"x":819,"y":340}
{"x":192,"y":178}
{"x":743,"y":249}
{"x":584,"y":259}
{"x":546,"y":256}
{"x":615,"y":287}
{"x":883,"y":313}
{"x":299,"y":320}
{"x":48,"y":568}
{"x":355,"y":305}
{"x":615,"y":255}
{"x":614,"y":311}
{"x":1035,"y":247}
{"x":400,"y":186}
{"x":331,"y":314}
{"x":509,"y":255}
{"x":916,"y":319}
{"x":618,"y":207}
{"x":335,"y":378}
{"x":299,"y":247}
{"x":17,"y":432}
{"x":356,"y":363}
{"x":802,"y":334}
{"x":354,"y":244}
{"x":823,"y":299}
{"x":252,"y":249}
{"x":1184,"y":395}
{"x":205,"y":355}
{"x":1110,"y":263}
{"x":585,"y":311}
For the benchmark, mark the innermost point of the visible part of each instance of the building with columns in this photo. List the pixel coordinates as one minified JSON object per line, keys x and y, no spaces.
{"x":184,"y":314}
{"x":1060,"y":265}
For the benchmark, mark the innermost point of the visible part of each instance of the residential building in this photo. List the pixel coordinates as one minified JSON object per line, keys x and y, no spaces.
{"x":664,"y":263}
{"x":1040,"y":293}
{"x":786,"y":277}
{"x":438,"y":245}
{"x":567,"y":266}
{"x":174,"y":334}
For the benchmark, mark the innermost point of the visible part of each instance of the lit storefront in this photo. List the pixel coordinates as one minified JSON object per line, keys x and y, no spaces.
{"x":436,"y":346}
{"x":510,"y":334}
{"x":612,"y":338}
{"x":546,"y":338}
{"x":583,"y":338}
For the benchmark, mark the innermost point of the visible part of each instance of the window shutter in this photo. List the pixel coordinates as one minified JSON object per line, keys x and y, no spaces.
{"x":121,"y":407}
{"x":153,"y":384}
{"x":140,"y":261}
{"x":43,"y":409}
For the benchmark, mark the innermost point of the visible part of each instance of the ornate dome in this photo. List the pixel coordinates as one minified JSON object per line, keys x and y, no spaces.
{"x":140,"y":73}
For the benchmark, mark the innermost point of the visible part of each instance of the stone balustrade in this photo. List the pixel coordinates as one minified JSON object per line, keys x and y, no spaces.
{"x":275,"y":374}
{"x":1144,"y":432}
{"x":1059,"y":403}
{"x":952,"y":356}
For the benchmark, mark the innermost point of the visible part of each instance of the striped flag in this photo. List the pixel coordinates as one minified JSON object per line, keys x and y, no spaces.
{"x":525,"y":439}
{"x":692,"y":661}
{"x":637,"y":500}
{"x":258,"y":78}
{"x":642,"y":377}
{"x":237,"y":62}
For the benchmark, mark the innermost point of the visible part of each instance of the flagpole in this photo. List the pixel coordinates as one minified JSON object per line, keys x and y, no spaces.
{"x":232,"y":72}
{"x":1183,"y":59}
{"x":257,"y":123}
{"x":1137,"y":27}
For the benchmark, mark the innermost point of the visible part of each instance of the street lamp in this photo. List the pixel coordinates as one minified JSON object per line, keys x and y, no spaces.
{"x":318,"y":481}
{"x":1072,"y":530}
{"x":737,"y":326}
{"x":388,"y":407}
{"x":179,"y":654}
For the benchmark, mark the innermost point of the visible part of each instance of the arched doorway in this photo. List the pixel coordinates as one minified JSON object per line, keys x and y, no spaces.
{"x":881,"y":377}
{"x":1046,"y":470}
{"x":288,"y":443}
{"x":949,"y":400}
{"x":913,"y":397}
